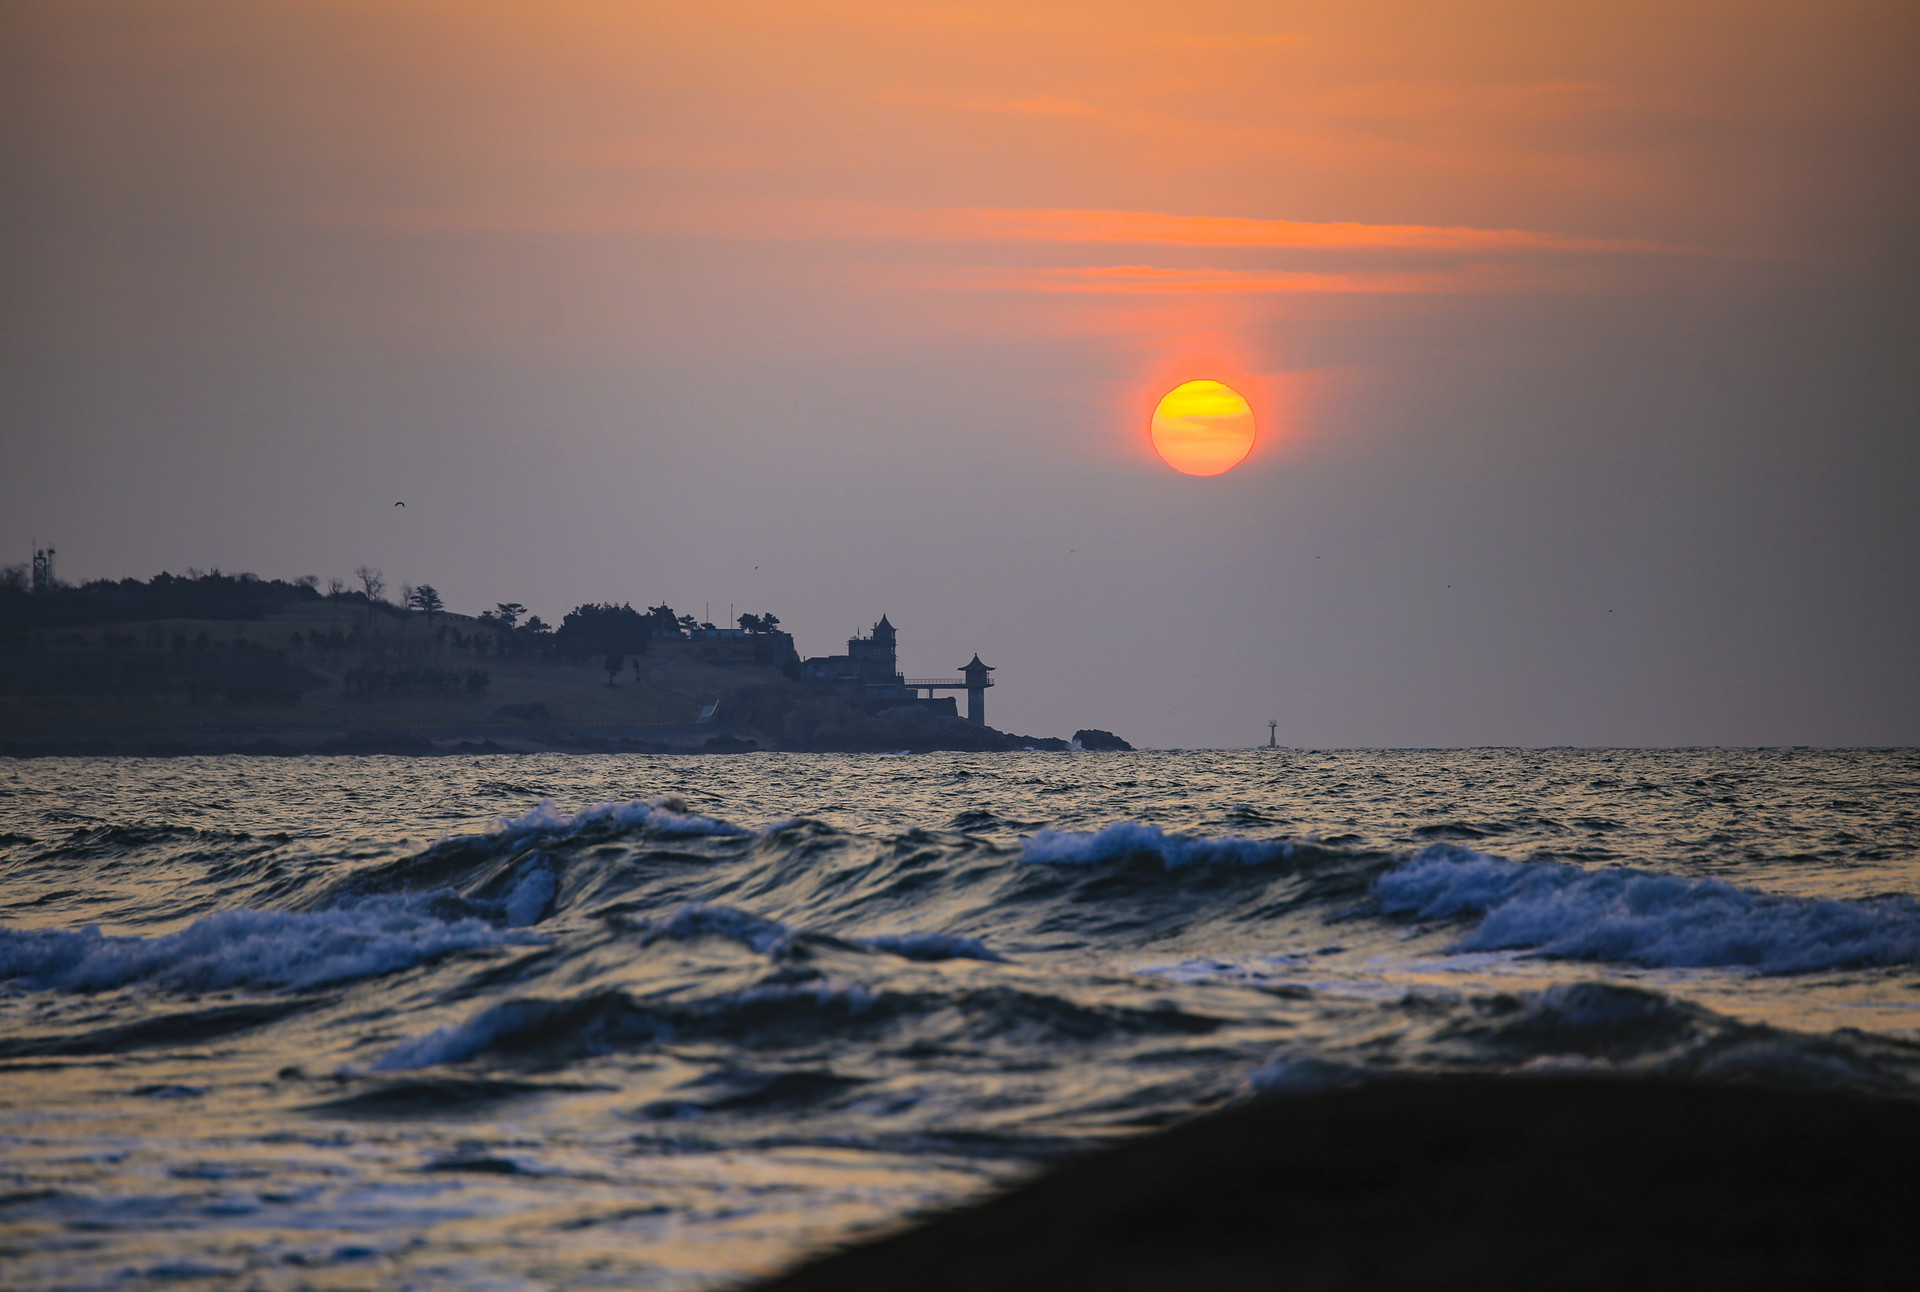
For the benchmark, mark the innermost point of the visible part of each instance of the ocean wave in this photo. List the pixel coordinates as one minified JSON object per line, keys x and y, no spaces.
{"x":774,"y":939}
{"x":700,"y":920}
{"x":665,"y":816}
{"x":546,"y":1031}
{"x":1585,"y":1029}
{"x":932,"y":946}
{"x":596,"y":1025}
{"x":788,"y":1012}
{"x":1639,"y":917}
{"x":246,"y":949}
{"x":93,"y":842}
{"x":1300,"y":1074}
{"x":1594,"y":1020}
{"x":1135,"y":840}
{"x":745,"y":1090}
{"x":530,"y":897}
{"x":1597,"y":1028}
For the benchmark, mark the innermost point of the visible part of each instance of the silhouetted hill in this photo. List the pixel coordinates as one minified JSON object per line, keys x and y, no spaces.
{"x":208,"y":662}
{"x":216,"y":596}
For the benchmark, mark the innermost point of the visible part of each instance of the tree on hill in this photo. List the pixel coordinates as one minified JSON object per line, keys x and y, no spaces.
{"x":503,"y":619}
{"x":371,"y":580}
{"x":426,"y":600}
{"x":613,"y":663}
{"x":603,"y":629}
{"x":197,"y":595}
{"x":760,"y":623}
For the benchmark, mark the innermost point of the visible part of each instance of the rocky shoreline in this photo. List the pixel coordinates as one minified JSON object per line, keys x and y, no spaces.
{"x":420,"y":742}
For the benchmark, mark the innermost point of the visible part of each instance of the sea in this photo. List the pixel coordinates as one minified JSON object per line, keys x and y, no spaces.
{"x":556,"y":1021}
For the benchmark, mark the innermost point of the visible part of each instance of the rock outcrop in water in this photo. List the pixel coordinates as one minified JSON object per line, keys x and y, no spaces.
{"x":1094,"y":738}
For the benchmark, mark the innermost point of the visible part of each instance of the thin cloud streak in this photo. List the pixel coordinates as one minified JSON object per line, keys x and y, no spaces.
{"x":848,"y":223}
{"x":1159,"y":228}
{"x":1473,"y":280}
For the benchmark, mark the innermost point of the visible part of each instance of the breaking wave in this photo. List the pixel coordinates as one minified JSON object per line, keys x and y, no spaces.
{"x":243,"y":949}
{"x":1639,"y":917}
{"x":1137,"y":841}
{"x":664,"y":816}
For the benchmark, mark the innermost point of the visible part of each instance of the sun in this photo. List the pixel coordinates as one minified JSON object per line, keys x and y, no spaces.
{"x":1203,"y":428}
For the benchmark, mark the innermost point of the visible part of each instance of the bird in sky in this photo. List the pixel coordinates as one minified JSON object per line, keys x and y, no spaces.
{"x":399,"y":504}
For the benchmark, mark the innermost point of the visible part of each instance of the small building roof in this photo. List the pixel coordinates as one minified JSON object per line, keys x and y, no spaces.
{"x":883,"y":623}
{"x":976,"y":664}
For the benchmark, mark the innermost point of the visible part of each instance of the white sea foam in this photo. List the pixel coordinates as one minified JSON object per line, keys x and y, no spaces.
{"x":1638,"y":917}
{"x":1124,"y":839}
{"x":531,"y":895}
{"x":245,"y":949}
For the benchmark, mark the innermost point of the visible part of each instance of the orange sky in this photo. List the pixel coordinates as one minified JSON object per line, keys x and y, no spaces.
{"x":341,"y":220}
{"x":930,"y":167}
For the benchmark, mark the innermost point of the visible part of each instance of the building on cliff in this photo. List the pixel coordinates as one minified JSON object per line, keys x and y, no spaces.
{"x":870,"y":672}
{"x":769,"y":648}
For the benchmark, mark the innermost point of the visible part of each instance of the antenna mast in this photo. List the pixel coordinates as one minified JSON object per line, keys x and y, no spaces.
{"x":42,"y":576}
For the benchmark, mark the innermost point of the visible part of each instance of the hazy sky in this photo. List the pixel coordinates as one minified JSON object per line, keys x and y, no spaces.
{"x":1584,"y":339}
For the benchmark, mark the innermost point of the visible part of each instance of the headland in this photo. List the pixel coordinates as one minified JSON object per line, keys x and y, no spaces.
{"x":211,"y":663}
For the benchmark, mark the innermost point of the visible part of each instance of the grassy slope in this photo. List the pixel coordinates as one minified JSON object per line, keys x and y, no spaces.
{"x":674,"y":688}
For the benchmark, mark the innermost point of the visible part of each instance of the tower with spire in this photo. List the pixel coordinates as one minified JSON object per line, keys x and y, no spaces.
{"x":870,"y":666}
{"x":876,"y":657}
{"x":870,"y":670}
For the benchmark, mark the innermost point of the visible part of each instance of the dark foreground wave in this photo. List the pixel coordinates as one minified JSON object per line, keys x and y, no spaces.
{"x":1447,"y":1183}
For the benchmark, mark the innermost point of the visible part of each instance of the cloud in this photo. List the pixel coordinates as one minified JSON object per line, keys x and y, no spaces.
{"x":1004,"y":243}
{"x":1162,"y":229}
{"x":1479,"y":279}
{"x":821,"y":222}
